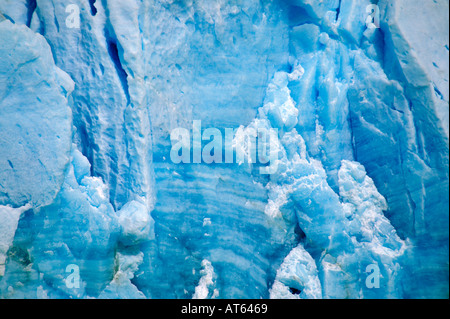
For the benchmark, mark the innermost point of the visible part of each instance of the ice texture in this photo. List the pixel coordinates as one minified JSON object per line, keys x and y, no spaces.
{"x":88,"y":190}
{"x":35,"y":119}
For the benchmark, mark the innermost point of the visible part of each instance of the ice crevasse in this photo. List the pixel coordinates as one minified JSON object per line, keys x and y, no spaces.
{"x":87,"y":181}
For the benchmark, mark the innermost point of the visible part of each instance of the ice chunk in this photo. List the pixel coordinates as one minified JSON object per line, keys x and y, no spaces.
{"x":9,"y":219}
{"x":297,"y":276}
{"x":35,"y":119}
{"x":136,"y":223}
{"x":205,"y":286}
{"x":121,"y":287}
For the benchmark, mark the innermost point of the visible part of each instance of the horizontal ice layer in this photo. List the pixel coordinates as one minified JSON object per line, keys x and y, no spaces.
{"x":243,"y":245}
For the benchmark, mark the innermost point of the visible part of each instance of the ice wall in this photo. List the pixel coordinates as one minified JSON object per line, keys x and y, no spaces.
{"x":86,"y":177}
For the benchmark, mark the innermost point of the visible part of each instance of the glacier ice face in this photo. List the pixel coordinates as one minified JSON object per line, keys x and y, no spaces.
{"x":360,"y":184}
{"x":35,"y":119}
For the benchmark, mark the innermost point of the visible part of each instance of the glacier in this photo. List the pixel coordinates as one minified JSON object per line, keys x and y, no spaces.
{"x":358,"y":206}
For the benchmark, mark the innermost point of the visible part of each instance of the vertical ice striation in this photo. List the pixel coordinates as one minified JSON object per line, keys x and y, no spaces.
{"x":360,"y":183}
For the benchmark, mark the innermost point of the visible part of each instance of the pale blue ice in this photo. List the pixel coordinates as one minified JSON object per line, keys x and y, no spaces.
{"x":358,"y":206}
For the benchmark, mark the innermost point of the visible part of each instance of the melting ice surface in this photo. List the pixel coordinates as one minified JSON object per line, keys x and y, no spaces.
{"x":86,"y":181}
